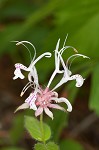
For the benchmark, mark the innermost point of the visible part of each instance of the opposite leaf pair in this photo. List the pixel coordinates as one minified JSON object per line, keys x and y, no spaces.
{"x":42,"y":99}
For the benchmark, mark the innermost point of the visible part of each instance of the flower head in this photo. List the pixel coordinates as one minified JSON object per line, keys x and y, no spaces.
{"x":44,"y":99}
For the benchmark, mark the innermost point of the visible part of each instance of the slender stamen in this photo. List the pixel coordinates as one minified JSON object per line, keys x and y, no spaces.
{"x":65,"y":40}
{"x":76,"y":55}
{"x":27,"y":48}
{"x":26,"y":87}
{"x":66,"y":47}
{"x":71,"y":62}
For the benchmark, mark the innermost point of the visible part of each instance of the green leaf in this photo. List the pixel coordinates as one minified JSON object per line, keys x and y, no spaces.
{"x":94,"y":94}
{"x":34,"y":128}
{"x":48,"y":146}
{"x":70,"y":145}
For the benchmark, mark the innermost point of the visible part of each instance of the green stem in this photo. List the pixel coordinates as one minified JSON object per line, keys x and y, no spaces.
{"x":42,"y":128}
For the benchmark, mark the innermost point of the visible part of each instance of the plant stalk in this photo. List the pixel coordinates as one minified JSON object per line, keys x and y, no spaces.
{"x":42,"y":128}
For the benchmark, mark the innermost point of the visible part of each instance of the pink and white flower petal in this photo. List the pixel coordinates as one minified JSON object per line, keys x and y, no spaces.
{"x":48,"y":112}
{"x":62,"y":99}
{"x":38,"y":111}
{"x":32,"y":105}
{"x":23,"y":106}
{"x":21,"y":66}
{"x":31,"y":101}
{"x":18,"y":74}
{"x":79,"y":80}
{"x":56,"y":106}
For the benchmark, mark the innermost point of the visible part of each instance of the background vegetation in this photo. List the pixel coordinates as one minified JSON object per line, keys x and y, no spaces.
{"x":42,"y":22}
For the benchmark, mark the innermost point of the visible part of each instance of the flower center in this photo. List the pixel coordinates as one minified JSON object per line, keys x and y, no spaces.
{"x":43,"y":98}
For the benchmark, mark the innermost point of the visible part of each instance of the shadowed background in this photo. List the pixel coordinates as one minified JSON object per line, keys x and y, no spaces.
{"x":43,"y":22}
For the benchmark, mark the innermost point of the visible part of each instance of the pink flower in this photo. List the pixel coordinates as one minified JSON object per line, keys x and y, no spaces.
{"x":43,"y":100}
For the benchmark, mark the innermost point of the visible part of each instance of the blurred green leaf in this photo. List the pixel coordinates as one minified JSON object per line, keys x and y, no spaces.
{"x":17,"y":129}
{"x":57,"y":125}
{"x":48,"y":146}
{"x":86,"y":70}
{"x":94,"y":94}
{"x":22,"y":29}
{"x":70,"y":145}
{"x":82,"y":32}
{"x":33,"y":127}
{"x":15,"y":9}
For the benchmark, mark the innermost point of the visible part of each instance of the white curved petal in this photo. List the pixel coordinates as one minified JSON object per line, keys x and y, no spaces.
{"x":23,"y":106}
{"x":47,"y":54}
{"x":18,"y":74}
{"x":62,"y":99}
{"x":79,"y":80}
{"x":48,"y":112}
{"x":56,"y":106}
{"x":55,"y":94}
{"x":38,"y":111}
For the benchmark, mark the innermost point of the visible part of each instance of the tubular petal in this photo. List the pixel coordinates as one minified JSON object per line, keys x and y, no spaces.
{"x":62,"y":99}
{"x":79,"y":80}
{"x":47,"y":54}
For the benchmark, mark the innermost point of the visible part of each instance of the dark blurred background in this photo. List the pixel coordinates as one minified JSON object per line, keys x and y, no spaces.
{"x":43,"y":22}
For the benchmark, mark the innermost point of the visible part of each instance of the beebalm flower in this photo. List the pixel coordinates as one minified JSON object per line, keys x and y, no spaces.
{"x":44,"y":99}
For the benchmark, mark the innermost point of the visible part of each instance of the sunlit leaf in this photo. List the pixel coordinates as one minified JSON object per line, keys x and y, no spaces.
{"x":33,"y":126}
{"x":48,"y":146}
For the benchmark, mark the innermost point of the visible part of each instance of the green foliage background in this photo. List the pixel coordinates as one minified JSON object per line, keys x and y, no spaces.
{"x":42,"y":22}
